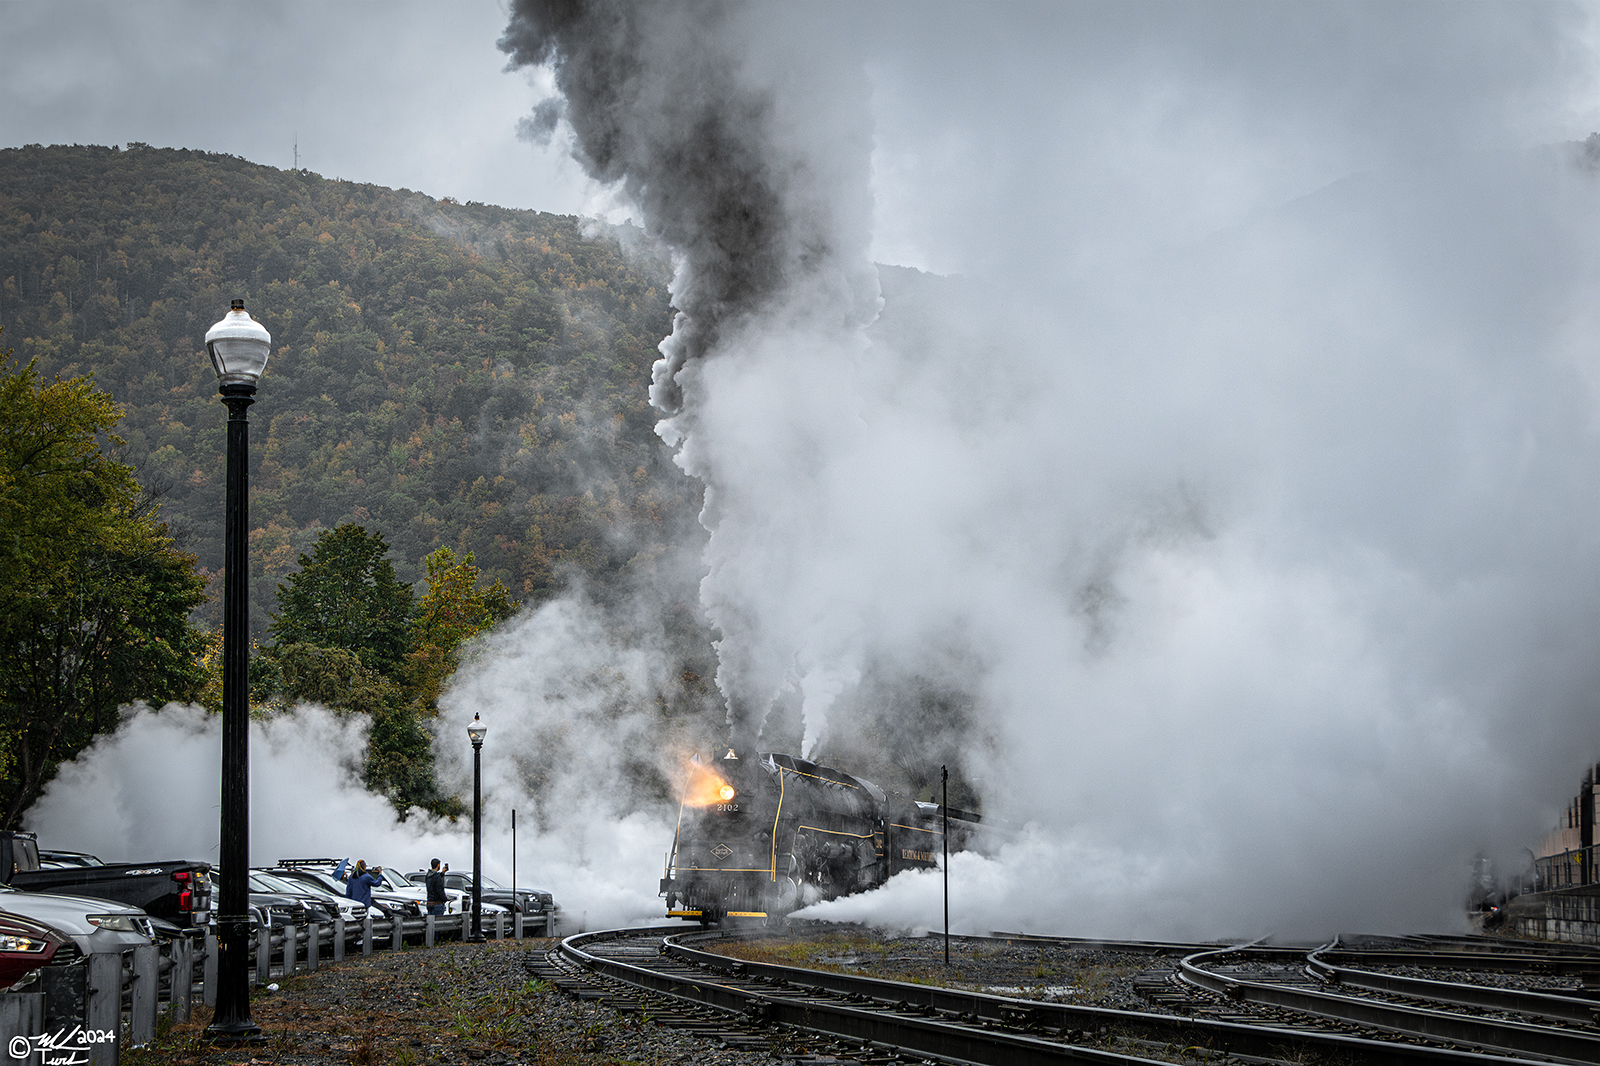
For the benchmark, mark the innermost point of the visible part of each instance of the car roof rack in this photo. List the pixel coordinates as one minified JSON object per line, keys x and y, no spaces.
{"x":290,"y":864}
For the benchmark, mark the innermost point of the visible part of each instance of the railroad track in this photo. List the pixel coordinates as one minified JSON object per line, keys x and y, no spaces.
{"x":667,"y":973}
{"x":1355,"y":985}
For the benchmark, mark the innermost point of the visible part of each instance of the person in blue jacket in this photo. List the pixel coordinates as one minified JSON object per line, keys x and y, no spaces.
{"x":362,"y":882}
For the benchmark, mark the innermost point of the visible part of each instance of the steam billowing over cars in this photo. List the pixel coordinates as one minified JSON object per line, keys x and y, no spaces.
{"x":55,"y":927}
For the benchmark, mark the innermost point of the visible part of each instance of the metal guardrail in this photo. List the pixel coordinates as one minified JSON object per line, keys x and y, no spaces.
{"x":87,"y":1011}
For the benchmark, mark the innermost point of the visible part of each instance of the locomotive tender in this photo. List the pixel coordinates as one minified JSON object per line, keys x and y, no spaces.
{"x":760,"y":837}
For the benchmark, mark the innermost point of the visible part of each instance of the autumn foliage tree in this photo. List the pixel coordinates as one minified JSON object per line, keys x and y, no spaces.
{"x":350,"y":636}
{"x":454,"y":610}
{"x":94,"y":596}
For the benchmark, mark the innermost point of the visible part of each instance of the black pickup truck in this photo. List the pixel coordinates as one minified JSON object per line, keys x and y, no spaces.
{"x":178,"y":892}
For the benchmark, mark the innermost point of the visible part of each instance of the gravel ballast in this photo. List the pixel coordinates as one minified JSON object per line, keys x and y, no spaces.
{"x":477,"y":1004}
{"x":454,"y":1003}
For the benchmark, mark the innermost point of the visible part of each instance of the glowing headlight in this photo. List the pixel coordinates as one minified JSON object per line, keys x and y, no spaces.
{"x":21,"y":943}
{"x":726,"y":792}
{"x":117,"y":923}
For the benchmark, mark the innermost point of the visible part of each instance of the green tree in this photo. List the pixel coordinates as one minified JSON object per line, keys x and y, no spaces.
{"x":345,"y":595}
{"x":453,"y":610}
{"x":334,"y":677}
{"x":94,"y":596}
{"x":400,"y":763}
{"x":342,"y":631}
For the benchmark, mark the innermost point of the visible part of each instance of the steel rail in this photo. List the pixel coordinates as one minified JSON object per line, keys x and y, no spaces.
{"x":946,"y":1041}
{"x":1264,"y":1041}
{"x":1521,"y":1001}
{"x":1503,"y":945}
{"x":1141,"y":947}
{"x":1517,"y":962}
{"x":1557,"y":1044}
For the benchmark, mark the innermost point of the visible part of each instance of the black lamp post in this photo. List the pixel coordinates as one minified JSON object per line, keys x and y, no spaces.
{"x":476,"y":731}
{"x":944,"y":811}
{"x":238,"y":346}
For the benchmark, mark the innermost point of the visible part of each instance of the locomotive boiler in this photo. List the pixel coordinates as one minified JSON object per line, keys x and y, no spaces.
{"x":761,"y":835}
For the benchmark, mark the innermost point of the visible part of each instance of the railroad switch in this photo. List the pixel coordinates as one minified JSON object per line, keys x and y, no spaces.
{"x":758,"y":1012}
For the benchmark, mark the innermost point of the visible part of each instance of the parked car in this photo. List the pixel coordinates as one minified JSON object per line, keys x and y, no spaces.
{"x":317,"y":908}
{"x":530,"y":901}
{"x":314,"y":893}
{"x":25,"y":945}
{"x":311,"y":870}
{"x":174,"y":890}
{"x":91,"y":924}
{"x":280,"y":908}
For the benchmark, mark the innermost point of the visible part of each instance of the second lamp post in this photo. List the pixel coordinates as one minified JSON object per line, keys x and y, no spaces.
{"x":476,"y":731}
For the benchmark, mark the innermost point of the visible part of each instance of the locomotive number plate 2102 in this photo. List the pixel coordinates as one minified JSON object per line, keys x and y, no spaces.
{"x":727,"y":806}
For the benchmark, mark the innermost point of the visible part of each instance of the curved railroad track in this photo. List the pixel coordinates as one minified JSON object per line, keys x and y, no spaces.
{"x":1211,"y":1005}
{"x":1440,"y":992}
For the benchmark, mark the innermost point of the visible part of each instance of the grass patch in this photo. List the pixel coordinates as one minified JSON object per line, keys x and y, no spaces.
{"x":973,"y":966}
{"x":845,"y":953}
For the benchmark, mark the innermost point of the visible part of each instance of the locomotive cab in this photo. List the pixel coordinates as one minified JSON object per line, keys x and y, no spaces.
{"x":761,"y":836}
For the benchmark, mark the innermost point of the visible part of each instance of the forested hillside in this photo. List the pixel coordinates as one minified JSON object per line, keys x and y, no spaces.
{"x":447,"y":375}
{"x":454,"y":420}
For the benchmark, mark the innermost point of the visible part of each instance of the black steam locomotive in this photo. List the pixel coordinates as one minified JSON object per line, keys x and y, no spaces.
{"x":760,"y":837}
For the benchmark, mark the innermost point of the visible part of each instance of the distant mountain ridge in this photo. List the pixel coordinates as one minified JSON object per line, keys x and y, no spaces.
{"x":442,"y":373}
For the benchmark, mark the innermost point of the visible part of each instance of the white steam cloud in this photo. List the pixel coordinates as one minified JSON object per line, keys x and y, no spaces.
{"x":567,"y":711}
{"x":1243,"y":488}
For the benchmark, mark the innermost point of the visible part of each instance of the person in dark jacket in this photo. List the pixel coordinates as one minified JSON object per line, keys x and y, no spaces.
{"x":434,"y":882}
{"x":362,"y":882}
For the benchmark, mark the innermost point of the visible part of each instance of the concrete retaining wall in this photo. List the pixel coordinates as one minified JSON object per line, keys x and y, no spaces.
{"x":1571,"y":915}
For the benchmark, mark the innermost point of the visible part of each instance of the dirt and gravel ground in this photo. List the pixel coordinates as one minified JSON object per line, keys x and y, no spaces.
{"x":1083,"y":975}
{"x":471,"y":1004}
{"x":475,"y":1005}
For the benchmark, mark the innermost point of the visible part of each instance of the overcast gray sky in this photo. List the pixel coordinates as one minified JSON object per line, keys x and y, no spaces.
{"x":398,"y":93}
{"x":1101,"y":121}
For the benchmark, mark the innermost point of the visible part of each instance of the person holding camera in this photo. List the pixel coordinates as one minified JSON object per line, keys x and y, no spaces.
{"x":434,"y":882}
{"x":362,"y":882}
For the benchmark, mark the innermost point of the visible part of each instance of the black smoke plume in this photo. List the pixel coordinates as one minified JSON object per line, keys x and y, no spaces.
{"x":764,"y":206}
{"x":657,"y":104}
